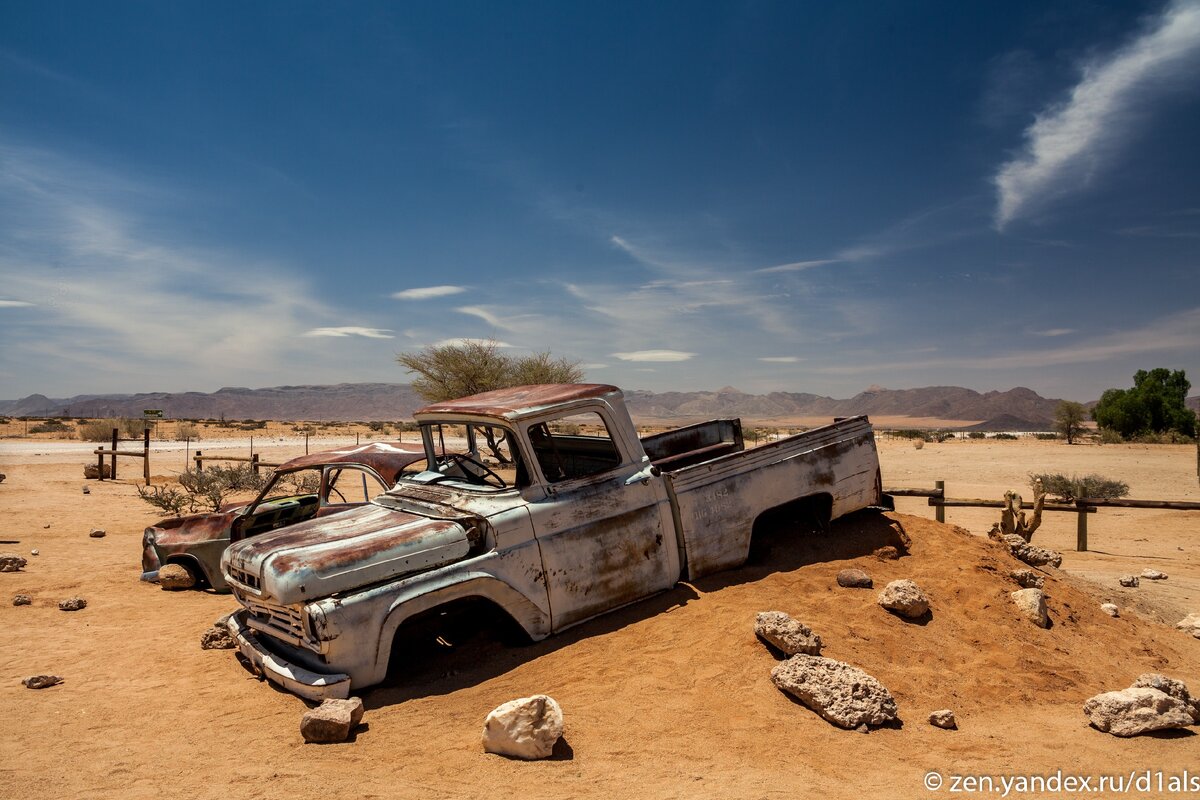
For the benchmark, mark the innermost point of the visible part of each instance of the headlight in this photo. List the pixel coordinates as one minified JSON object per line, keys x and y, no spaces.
{"x":317,"y":625}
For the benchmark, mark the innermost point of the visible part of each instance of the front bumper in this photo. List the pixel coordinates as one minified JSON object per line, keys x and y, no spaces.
{"x":297,"y":680}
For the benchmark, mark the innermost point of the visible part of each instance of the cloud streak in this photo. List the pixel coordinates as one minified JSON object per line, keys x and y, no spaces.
{"x":427,"y":292}
{"x":368,"y":333}
{"x":1068,"y":141}
{"x":657,"y":356}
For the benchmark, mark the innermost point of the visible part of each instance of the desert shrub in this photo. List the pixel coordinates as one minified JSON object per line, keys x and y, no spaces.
{"x":918,"y":443}
{"x":303,"y":429}
{"x":1045,"y":437}
{"x":170,"y":499}
{"x":187,"y":430}
{"x":909,"y":434}
{"x":1007,"y":436}
{"x":50,"y":426}
{"x":251,"y":425}
{"x":976,"y":435}
{"x":100,"y":430}
{"x":1068,"y":490}
{"x":213,"y":487}
{"x":1164,"y":437}
{"x":305,"y":482}
{"x":1109,"y":436}
{"x":376,"y":425}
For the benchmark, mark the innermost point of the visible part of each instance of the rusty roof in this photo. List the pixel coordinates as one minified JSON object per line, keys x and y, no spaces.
{"x":518,"y":401}
{"x":386,"y":458}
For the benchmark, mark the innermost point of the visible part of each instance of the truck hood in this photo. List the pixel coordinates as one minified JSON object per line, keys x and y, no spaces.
{"x":322,"y":557}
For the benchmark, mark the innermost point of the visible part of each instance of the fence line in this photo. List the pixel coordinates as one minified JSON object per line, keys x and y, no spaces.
{"x":1080,"y":507}
{"x":114,"y":452}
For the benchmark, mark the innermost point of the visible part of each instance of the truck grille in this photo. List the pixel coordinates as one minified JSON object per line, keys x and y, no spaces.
{"x":245,"y":578}
{"x":286,"y":622}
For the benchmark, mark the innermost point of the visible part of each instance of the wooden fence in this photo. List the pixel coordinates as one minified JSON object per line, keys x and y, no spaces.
{"x":1081,"y":507}
{"x":113,"y":452}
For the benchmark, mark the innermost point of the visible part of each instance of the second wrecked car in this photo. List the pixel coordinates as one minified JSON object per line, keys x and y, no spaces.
{"x":310,"y":486}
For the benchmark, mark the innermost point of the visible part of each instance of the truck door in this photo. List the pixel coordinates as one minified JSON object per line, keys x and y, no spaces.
{"x":603,"y":543}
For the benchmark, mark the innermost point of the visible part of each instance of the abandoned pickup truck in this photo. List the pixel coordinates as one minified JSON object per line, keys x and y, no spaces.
{"x":313,"y":485}
{"x":573,"y":516}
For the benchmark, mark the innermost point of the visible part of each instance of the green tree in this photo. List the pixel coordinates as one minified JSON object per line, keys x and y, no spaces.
{"x":445,"y":372}
{"x":1068,"y":419}
{"x":1155,"y":404}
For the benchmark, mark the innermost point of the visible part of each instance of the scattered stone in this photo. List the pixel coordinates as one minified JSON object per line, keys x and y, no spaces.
{"x":217,"y":637}
{"x":1169,"y":686}
{"x":34,"y":552}
{"x":1154,"y":575}
{"x":791,"y":636}
{"x":1032,"y":604}
{"x":1027,"y":579}
{"x":92,"y":472}
{"x":41,"y":681}
{"x":1031,"y":554}
{"x":72,"y":604}
{"x":46,"y":526}
{"x":11,"y":562}
{"x":86,"y":490}
{"x":526,"y":728}
{"x":1129,"y":581}
{"x":943,"y":719}
{"x":331,"y":721}
{"x":887,"y":553}
{"x":898,"y":537}
{"x":842,"y":694}
{"x":1110,"y":609}
{"x":98,"y":533}
{"x":854,"y":579}
{"x":22,"y":600}
{"x":2,"y":477}
{"x":1137,"y":710}
{"x":1190,"y":624}
{"x":905,"y":598}
{"x":175,"y":576}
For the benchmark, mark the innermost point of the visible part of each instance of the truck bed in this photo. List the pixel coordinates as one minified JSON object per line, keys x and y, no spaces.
{"x":717,"y":500}
{"x":692,"y":444}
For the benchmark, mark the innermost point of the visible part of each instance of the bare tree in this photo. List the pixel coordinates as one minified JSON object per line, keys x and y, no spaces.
{"x":1068,"y":419}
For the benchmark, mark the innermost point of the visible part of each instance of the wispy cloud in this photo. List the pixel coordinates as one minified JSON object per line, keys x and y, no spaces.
{"x":781,"y":359}
{"x":1053,"y":332}
{"x":15,"y":304}
{"x":1067,"y":141}
{"x":655,"y":355}
{"x":428,"y":292}
{"x":369,"y":333}
{"x":798,"y":266}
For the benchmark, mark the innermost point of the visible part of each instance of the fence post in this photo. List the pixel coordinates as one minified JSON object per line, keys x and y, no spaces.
{"x":114,"y":454}
{"x":100,"y":463}
{"x":1081,"y":530}
{"x":187,"y":453}
{"x":306,"y":443}
{"x":254,"y":462}
{"x":939,"y":509}
{"x":146,"y":454}
{"x":199,"y":457}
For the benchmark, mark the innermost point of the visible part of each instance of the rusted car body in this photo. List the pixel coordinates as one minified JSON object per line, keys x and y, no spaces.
{"x":567,"y":515}
{"x":340,"y":479}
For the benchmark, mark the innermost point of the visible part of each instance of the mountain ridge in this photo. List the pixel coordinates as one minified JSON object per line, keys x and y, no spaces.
{"x":394,"y":401}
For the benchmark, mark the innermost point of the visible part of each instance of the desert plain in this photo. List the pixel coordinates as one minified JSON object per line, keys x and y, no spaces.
{"x":668,"y":698}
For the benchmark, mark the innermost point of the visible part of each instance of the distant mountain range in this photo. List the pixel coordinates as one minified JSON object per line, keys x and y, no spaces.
{"x":1015,"y":409}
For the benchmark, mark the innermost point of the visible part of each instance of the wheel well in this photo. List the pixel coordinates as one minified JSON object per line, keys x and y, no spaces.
{"x":458,"y":624}
{"x":810,"y":513}
{"x":192,"y":565}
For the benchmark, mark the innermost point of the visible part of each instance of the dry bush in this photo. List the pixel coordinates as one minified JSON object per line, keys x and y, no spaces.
{"x":1068,"y":490}
{"x":918,"y":444}
{"x":100,"y":430}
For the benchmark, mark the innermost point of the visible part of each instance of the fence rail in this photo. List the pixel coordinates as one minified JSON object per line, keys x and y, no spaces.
{"x":253,"y":460}
{"x":101,"y":452}
{"x":1081,"y":507}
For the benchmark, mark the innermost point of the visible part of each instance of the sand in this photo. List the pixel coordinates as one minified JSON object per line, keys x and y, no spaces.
{"x":668,"y":698}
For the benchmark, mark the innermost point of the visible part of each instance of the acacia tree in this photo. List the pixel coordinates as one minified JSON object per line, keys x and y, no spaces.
{"x":1155,"y":404}
{"x":1068,"y":419}
{"x":447,"y":371}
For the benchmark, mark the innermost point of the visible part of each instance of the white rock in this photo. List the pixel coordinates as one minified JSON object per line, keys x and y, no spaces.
{"x":1190,"y":624}
{"x":1027,"y":579}
{"x":1032,"y":605}
{"x":1154,"y":575}
{"x":98,"y":533}
{"x":11,"y":562}
{"x":1134,"y":711}
{"x":1129,"y":581}
{"x":1110,"y":609}
{"x":1031,"y":554}
{"x":525,"y":728}
{"x":1170,"y":686}
{"x":331,"y":721}
{"x":786,"y":634}
{"x":905,"y":598}
{"x":943,"y":719}
{"x":842,"y":694}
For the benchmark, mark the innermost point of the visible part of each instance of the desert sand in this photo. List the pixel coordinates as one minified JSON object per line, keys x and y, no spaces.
{"x":668,"y":698}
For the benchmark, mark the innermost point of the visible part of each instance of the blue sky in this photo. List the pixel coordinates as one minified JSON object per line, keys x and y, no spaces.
{"x":795,"y":196}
